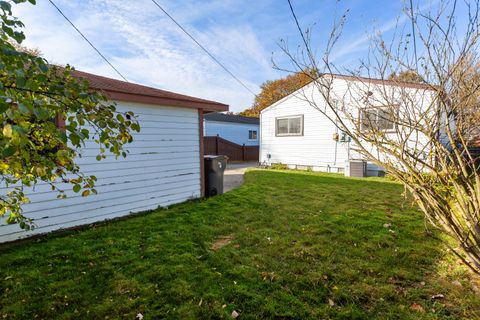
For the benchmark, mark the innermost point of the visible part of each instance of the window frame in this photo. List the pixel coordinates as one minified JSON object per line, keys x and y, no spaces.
{"x":377,"y":110}
{"x":256,"y":135}
{"x":299,"y":134}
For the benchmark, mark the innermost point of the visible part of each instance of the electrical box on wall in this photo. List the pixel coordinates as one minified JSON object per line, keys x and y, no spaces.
{"x":344,"y":137}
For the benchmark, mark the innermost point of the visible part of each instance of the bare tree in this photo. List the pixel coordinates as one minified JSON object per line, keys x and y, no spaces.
{"x":411,"y":129}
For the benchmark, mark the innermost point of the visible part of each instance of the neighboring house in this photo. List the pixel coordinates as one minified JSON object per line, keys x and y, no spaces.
{"x":164,"y":166}
{"x":238,"y":129}
{"x":296,"y":134}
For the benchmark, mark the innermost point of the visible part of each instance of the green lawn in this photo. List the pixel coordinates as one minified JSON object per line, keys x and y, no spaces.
{"x":297,"y":245}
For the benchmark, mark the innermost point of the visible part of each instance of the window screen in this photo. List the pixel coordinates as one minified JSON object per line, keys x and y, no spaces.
{"x":289,"y":126}
{"x":376,"y":119}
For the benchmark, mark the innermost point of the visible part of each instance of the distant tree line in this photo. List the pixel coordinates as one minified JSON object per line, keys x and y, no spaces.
{"x":274,"y":90}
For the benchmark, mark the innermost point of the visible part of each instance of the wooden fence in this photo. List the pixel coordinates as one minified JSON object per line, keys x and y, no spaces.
{"x":234,"y":152}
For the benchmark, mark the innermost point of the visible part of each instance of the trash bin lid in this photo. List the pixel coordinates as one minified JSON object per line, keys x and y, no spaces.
{"x":214,"y":156}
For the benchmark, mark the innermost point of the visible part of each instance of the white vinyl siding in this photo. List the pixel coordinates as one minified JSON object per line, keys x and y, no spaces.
{"x":162,"y":168}
{"x":322,"y":146}
{"x":315,"y":148}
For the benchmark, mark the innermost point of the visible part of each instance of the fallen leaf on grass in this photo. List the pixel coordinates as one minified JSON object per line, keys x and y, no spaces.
{"x":330,"y":302}
{"x":222,"y":242}
{"x":416,"y":307}
{"x":268,"y":276}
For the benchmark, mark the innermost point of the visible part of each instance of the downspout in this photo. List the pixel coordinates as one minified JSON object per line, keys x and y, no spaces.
{"x":336,"y":133}
{"x":202,"y":151}
{"x":260,"y":139}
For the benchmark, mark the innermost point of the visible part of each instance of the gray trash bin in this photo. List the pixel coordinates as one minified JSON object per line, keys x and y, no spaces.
{"x":214,"y":168}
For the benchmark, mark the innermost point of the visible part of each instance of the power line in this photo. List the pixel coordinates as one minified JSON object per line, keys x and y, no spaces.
{"x":203,"y":48}
{"x":414,"y":37}
{"x":305,"y":42}
{"x":91,"y":44}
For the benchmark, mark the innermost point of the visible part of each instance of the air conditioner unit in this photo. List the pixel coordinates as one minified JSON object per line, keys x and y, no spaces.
{"x":356,"y":168}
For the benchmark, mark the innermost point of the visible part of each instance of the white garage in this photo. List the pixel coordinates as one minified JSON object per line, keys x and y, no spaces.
{"x":164,"y":166}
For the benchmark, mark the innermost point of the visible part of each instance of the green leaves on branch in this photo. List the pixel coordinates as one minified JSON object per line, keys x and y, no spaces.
{"x":33,"y":147}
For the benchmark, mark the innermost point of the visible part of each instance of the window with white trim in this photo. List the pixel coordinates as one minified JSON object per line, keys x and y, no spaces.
{"x":376,"y":118}
{"x":289,"y":126}
{"x":252,"y":134}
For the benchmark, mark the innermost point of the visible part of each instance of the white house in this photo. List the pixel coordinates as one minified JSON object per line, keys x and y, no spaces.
{"x":238,"y":129}
{"x":164,"y":166}
{"x":296,"y":134}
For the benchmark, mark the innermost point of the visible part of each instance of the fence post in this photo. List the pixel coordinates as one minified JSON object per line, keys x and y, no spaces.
{"x":243,"y":152}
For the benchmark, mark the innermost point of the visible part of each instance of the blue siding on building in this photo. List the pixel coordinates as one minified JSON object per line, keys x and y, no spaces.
{"x":235,"y":132}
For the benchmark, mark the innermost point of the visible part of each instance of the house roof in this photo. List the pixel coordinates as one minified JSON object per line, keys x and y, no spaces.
{"x":397,"y":83}
{"x":131,"y":92}
{"x":223,"y":117}
{"x":385,"y":82}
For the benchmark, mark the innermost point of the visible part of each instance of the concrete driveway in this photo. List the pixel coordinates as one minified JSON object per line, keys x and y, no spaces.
{"x":233,"y":176}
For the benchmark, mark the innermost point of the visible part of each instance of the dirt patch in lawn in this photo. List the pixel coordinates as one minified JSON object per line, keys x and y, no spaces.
{"x":222,"y":242}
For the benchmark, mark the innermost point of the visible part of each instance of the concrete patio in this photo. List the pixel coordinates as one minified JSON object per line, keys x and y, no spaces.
{"x":233,"y":176}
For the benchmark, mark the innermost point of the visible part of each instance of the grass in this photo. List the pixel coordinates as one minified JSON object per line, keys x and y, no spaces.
{"x":286,"y":245}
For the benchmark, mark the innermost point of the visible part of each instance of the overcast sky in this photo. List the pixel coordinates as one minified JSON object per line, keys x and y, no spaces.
{"x":149,"y":49}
